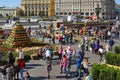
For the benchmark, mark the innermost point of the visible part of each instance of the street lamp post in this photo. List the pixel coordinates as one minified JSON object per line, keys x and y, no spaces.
{"x":97,"y":10}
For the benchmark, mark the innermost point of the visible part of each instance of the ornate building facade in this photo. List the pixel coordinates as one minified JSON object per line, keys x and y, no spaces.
{"x":38,"y":7}
{"x":7,"y":11}
{"x":85,"y":8}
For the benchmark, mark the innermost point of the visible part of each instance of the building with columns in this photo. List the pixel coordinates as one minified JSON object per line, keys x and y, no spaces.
{"x":38,"y":7}
{"x":85,"y":8}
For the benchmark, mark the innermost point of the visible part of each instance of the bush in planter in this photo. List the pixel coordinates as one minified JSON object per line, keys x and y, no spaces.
{"x":103,"y":72}
{"x":95,"y":71}
{"x":117,"y":49}
{"x":16,"y":54}
{"x":118,"y":75}
{"x":113,"y":59}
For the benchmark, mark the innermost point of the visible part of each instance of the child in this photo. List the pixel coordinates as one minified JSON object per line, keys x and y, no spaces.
{"x":27,"y":76}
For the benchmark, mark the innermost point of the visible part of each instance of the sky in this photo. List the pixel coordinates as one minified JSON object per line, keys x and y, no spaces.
{"x":14,"y":3}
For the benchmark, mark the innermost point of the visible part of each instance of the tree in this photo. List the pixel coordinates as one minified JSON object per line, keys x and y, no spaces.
{"x":19,"y":12}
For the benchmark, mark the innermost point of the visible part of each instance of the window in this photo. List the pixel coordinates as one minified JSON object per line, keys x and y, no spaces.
{"x":82,"y":13}
{"x":87,"y":13}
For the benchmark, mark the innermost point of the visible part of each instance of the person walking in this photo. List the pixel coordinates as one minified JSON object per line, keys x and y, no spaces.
{"x":3,"y":71}
{"x":49,"y":66}
{"x":60,"y":51}
{"x":9,"y":72}
{"x":85,"y":65}
{"x":41,"y":53}
{"x":101,"y":53}
{"x":16,"y":69}
{"x":78,"y":66}
{"x":69,"y":63}
{"x":61,"y":66}
{"x":107,"y":48}
{"x":10,"y":58}
{"x":111,"y":43}
{"x":51,"y":52}
{"x":22,"y":66}
{"x":53,"y":38}
{"x":47,"y":53}
{"x":21,"y":54}
{"x":96,"y":47}
{"x":65,"y":63}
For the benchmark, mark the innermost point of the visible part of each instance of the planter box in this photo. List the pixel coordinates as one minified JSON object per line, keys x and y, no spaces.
{"x":34,"y":57}
{"x":55,"y":52}
{"x":17,"y":59}
{"x":2,"y":62}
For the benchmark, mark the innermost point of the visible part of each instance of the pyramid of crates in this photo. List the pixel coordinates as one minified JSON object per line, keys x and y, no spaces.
{"x":18,"y":37}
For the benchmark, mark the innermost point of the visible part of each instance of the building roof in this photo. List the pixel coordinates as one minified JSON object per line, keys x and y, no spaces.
{"x":7,"y":8}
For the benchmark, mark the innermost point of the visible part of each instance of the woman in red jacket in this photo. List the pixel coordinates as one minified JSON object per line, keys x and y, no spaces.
{"x":22,"y":66}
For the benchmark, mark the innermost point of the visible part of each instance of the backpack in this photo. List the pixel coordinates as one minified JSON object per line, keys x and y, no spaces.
{"x":112,"y":42}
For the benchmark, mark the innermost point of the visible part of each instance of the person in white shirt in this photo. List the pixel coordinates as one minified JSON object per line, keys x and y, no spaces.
{"x":101,"y":53}
{"x":21,"y":55}
{"x":47,"y":53}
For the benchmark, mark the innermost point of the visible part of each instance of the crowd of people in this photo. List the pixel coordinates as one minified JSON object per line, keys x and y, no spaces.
{"x":67,"y":56}
{"x":14,"y":67}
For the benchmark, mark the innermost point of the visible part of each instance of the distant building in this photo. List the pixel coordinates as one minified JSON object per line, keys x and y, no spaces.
{"x":67,"y":7}
{"x":85,"y":8}
{"x":7,"y":11}
{"x":38,"y":7}
{"x":117,"y":10}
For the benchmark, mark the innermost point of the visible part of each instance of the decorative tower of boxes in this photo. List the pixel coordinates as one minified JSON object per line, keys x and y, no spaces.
{"x":18,"y":37}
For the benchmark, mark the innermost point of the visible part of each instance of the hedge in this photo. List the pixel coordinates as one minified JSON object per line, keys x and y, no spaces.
{"x":117,"y":49}
{"x":16,"y":54}
{"x":113,"y":59}
{"x":103,"y":72}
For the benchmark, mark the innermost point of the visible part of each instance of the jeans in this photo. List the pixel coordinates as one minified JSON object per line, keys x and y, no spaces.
{"x":101,"y":57}
{"x":4,"y":77}
{"x":78,"y":72}
{"x":21,"y":73}
{"x":65,"y":71}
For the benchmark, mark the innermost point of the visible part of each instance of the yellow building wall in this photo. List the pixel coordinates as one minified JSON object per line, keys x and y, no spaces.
{"x":51,"y":8}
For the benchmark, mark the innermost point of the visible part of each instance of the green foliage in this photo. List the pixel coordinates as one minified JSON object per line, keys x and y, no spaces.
{"x":36,"y":42}
{"x":16,"y":54}
{"x":118,"y":75}
{"x":113,"y":59}
{"x":117,"y":49}
{"x":103,"y":72}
